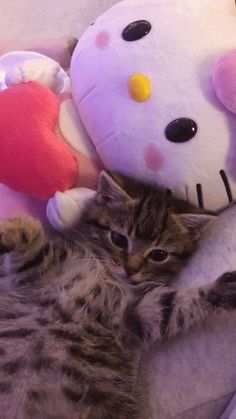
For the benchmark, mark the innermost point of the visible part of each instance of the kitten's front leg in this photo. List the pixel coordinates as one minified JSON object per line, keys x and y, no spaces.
{"x":194,"y":306}
{"x":164,"y":313}
{"x":23,"y":244}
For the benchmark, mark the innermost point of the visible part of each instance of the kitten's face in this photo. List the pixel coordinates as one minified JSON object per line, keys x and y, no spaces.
{"x":139,"y":230}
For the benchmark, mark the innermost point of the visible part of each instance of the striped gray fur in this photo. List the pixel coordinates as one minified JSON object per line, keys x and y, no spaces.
{"x":76,"y":310}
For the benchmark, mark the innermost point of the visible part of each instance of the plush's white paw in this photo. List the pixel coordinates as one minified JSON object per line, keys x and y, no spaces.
{"x":43,"y":71}
{"x":64,"y":209}
{"x":2,"y":80}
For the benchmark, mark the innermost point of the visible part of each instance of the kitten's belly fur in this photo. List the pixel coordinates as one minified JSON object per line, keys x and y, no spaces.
{"x":55,"y":363}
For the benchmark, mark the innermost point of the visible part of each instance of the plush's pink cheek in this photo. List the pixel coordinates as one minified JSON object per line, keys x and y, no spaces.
{"x":224,"y":80}
{"x":102,"y":40}
{"x":153,"y":158}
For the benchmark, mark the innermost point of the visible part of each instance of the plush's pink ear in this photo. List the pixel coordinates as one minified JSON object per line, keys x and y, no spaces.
{"x":224,"y":80}
{"x":59,"y":49}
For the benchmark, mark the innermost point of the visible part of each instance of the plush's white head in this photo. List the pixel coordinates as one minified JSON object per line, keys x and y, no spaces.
{"x":132,"y":81}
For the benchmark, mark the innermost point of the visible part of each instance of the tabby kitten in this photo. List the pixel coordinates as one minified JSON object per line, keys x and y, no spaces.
{"x":76,"y":311}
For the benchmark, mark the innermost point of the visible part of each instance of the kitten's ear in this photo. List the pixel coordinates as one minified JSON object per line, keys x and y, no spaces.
{"x":109,"y":191}
{"x":196,"y":221}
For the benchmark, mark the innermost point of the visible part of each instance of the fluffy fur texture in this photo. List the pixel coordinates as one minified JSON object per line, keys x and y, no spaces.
{"x":76,"y":311}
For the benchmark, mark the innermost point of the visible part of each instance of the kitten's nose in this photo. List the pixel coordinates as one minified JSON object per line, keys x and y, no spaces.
{"x":133,"y":265}
{"x":131,"y":271}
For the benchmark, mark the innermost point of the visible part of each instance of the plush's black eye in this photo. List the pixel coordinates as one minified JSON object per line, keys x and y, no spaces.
{"x":181,"y":130}
{"x":119,"y":240}
{"x":136,"y":30}
{"x":158,"y":255}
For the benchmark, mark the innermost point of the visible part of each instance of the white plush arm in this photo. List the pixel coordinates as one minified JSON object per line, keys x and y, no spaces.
{"x":64,"y":209}
{"x":22,"y":66}
{"x":43,"y":71}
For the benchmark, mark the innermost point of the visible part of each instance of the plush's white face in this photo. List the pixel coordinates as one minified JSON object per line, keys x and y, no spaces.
{"x":166,"y":124}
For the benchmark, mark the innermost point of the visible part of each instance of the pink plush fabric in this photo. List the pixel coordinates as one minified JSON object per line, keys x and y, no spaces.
{"x":224,"y":80}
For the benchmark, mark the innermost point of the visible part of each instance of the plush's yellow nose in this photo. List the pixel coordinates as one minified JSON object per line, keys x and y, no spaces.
{"x":140,"y":87}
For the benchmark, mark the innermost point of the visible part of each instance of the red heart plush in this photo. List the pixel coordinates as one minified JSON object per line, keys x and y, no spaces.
{"x":34,"y":158}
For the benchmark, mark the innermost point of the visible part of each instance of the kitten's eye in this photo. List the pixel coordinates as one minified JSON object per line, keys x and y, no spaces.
{"x":158,"y":255}
{"x":119,"y":240}
{"x":136,"y":30}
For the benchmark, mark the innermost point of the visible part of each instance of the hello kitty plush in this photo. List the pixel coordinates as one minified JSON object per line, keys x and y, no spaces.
{"x":154,"y":82}
{"x":149,"y":103}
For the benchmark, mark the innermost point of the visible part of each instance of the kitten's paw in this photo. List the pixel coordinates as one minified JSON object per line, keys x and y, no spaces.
{"x":18,"y":232}
{"x":223,"y":292}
